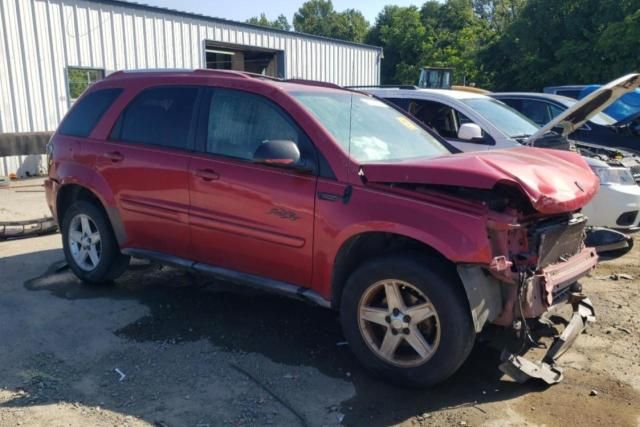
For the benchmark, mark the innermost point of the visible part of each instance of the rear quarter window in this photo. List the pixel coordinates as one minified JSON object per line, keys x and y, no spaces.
{"x":87,"y":112}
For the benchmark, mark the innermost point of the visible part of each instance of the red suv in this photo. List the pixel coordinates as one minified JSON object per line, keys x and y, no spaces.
{"x":327,"y":195}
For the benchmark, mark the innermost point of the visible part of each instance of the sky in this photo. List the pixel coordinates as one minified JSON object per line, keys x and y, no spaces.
{"x":241,"y":10}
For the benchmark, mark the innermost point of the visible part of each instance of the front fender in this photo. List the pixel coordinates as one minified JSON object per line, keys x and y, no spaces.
{"x":456,"y":232}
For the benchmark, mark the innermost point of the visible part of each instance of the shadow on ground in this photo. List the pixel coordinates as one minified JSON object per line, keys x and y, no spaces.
{"x":185,"y":307}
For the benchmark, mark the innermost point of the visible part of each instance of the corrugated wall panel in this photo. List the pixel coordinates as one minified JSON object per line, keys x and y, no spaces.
{"x":7,"y":109}
{"x":40,"y":39}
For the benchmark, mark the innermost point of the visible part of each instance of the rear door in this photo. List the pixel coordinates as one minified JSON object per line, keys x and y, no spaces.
{"x":145,"y":164}
{"x":248,"y":217}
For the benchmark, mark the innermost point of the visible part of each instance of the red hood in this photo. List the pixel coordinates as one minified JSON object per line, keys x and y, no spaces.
{"x":555,"y":181}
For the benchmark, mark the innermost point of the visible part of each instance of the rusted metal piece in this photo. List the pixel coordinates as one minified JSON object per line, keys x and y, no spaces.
{"x":521,"y":369}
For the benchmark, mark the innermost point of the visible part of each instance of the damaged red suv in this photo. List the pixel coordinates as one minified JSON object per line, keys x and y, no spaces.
{"x":327,"y":195}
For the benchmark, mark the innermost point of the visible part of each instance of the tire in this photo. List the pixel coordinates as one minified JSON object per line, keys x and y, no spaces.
{"x":449,"y":334}
{"x":110,"y":262}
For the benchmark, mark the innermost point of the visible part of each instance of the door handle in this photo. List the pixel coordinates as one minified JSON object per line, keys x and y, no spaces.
{"x":114,"y":156}
{"x":206,"y":174}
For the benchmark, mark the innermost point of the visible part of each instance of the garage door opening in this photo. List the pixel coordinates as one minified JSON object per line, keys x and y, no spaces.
{"x":224,"y":56}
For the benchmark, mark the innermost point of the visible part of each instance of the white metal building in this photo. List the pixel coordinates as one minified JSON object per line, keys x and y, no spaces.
{"x":50,"y":50}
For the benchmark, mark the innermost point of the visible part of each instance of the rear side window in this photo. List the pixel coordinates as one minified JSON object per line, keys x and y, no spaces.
{"x":86,"y":113}
{"x":159,"y":116}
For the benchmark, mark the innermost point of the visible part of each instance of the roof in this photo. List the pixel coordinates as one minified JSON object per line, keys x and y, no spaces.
{"x":191,"y":15}
{"x":560,"y":99}
{"x":284,"y":84}
{"x":415,"y":93}
{"x":562,"y":87}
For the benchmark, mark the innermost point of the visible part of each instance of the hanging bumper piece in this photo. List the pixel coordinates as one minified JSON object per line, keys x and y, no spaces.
{"x":521,"y":369}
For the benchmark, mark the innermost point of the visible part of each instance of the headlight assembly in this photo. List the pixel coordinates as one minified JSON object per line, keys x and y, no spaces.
{"x":608,"y":175}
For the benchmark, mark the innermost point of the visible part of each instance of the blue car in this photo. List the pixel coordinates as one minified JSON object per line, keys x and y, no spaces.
{"x":626,"y":107}
{"x":601,"y":129}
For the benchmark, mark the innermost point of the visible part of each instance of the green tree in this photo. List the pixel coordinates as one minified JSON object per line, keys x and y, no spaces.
{"x":454,"y":35}
{"x":280,"y":22}
{"x":399,"y":30}
{"x":572,"y":41}
{"x":350,"y":25}
{"x":320,"y":18}
{"x":314,"y":17}
{"x":499,"y":14}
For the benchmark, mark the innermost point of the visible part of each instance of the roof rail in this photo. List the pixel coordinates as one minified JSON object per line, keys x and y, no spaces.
{"x":314,"y":83}
{"x":224,"y":73}
{"x":148,"y":70}
{"x":410,"y":87}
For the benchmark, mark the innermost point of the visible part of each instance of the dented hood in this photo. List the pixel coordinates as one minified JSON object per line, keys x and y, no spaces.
{"x":574,"y":117}
{"x":554,"y":181}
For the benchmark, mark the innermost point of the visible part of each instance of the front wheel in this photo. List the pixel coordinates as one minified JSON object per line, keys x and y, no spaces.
{"x":89,"y":244}
{"x":407,"y":320}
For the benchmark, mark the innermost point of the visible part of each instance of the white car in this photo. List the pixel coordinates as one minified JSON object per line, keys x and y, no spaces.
{"x":473,"y":122}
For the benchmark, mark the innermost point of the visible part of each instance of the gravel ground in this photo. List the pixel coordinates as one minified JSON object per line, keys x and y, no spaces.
{"x":165,"y":347}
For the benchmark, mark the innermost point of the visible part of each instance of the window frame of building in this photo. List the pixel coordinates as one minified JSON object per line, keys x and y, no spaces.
{"x":100,"y":74}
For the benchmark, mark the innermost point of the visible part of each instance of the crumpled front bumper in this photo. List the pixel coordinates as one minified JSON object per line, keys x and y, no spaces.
{"x":551,"y":285}
{"x":522,"y":369}
{"x":511,"y":304}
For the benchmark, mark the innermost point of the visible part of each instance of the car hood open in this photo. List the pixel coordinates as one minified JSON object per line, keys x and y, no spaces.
{"x":554,"y":181}
{"x":574,"y":117}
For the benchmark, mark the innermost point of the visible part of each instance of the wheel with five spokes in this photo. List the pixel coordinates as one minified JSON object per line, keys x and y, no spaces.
{"x":406,"y":319}
{"x":89,"y":244}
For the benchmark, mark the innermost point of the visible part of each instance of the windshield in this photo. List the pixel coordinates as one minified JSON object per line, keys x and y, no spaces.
{"x":601,"y":119}
{"x":368,"y":129}
{"x":505,"y":118}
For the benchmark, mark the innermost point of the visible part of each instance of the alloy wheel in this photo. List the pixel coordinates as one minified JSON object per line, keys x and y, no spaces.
{"x":84,"y":242}
{"x":399,"y":323}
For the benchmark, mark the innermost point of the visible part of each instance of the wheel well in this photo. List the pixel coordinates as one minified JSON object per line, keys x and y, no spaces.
{"x":69,"y":194}
{"x":365,"y":246}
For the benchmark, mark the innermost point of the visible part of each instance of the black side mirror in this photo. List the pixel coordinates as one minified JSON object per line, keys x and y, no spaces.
{"x":277,"y":152}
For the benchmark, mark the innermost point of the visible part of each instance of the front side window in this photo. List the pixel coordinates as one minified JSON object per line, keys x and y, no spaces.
{"x":537,"y":111}
{"x":85,"y":114}
{"x":367,"y":129}
{"x":443,"y":118}
{"x":79,"y":79}
{"x":158,"y":116}
{"x":239,"y":122}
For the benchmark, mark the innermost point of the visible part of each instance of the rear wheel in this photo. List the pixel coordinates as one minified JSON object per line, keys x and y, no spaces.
{"x":89,"y":244}
{"x":406,"y":320}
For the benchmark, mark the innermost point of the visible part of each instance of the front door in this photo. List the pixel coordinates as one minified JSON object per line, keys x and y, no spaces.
{"x":145,"y":163}
{"x":249,"y":217}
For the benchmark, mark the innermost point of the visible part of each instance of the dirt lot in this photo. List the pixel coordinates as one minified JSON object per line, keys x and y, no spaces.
{"x":168,"y":348}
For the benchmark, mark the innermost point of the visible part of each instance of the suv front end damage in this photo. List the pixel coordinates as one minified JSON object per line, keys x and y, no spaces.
{"x":534,"y":252}
{"x":535,"y":268}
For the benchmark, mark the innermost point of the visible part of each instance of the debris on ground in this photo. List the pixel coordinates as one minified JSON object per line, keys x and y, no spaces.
{"x":625,"y":330}
{"x":615,"y":276}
